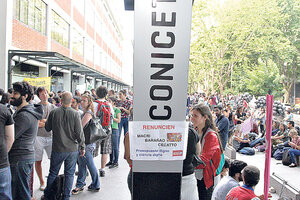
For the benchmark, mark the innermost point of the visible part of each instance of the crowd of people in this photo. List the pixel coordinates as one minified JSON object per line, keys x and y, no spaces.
{"x":232,"y":120}
{"x":33,"y":120}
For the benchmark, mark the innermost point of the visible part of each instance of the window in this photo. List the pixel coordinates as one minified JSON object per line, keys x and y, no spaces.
{"x":89,"y":50}
{"x":60,"y":30}
{"x":79,"y":5}
{"x":89,"y":13}
{"x":31,"y":13}
{"x":77,"y":42}
{"x":98,"y":55}
{"x":98,"y":25}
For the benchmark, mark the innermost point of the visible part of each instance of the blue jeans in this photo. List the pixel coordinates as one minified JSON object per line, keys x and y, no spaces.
{"x":5,"y":183}
{"x":115,"y":138}
{"x":20,"y":174}
{"x":87,"y":161}
{"x":123,"y":124}
{"x":257,"y":141}
{"x":57,"y":158}
{"x":223,"y":141}
{"x":293,"y":153}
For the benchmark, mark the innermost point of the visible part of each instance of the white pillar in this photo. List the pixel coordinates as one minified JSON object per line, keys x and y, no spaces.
{"x":98,"y":83}
{"x":6,"y":10}
{"x":43,"y":71}
{"x":67,"y":82}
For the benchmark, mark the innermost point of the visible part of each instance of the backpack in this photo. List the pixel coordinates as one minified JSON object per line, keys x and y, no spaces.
{"x":57,"y":188}
{"x":104,"y":113}
{"x":221,"y":165}
{"x":286,"y":158}
{"x":278,"y":154}
{"x":247,"y":151}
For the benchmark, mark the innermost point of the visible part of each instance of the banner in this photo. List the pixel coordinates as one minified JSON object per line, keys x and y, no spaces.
{"x":246,"y":126}
{"x":269,"y":117}
{"x":40,"y":82}
{"x":158,"y":140}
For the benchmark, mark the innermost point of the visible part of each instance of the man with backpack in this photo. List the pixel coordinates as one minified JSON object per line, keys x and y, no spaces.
{"x":104,"y":111}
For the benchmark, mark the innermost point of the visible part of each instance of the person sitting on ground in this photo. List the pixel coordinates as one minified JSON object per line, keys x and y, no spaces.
{"x":239,"y":141}
{"x":229,"y":182}
{"x":250,"y":176}
{"x":275,"y":127}
{"x":281,"y":136}
{"x":295,"y":144}
{"x":290,"y":126}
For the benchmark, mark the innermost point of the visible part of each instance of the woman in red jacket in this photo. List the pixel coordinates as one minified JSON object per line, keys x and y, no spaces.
{"x":210,"y":150}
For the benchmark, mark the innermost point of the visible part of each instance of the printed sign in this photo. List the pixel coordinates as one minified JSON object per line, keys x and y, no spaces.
{"x":158,"y":140}
{"x":40,"y":82}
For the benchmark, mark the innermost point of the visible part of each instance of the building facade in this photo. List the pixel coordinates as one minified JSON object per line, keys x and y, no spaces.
{"x":83,"y":34}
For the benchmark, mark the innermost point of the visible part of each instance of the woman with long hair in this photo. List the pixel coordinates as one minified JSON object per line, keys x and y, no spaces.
{"x":210,"y":151}
{"x":87,"y":161}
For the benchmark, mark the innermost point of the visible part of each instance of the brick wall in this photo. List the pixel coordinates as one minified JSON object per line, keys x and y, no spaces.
{"x":55,"y":46}
{"x":78,"y":18}
{"x":65,"y":5}
{"x":77,"y":57}
{"x":90,"y":64}
{"x":90,"y":30}
{"x":24,"y":37}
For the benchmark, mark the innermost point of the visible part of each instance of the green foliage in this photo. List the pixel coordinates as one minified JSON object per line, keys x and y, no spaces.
{"x":245,"y":46}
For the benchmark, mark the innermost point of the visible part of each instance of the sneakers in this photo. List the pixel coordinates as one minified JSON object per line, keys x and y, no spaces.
{"x":93,"y":189}
{"x":114,"y":165}
{"x":108,"y":164}
{"x":77,"y":190}
{"x":293,"y":165}
{"x":102,"y":173}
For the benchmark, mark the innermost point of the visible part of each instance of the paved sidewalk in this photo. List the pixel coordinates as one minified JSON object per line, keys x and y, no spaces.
{"x":277,"y":167}
{"x":113,"y":185}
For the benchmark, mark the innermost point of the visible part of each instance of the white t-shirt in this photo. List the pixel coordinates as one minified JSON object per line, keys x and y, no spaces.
{"x":223,"y":187}
{"x":103,"y":100}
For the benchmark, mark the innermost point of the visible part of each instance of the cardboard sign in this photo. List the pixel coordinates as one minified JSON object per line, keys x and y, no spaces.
{"x":40,"y":82}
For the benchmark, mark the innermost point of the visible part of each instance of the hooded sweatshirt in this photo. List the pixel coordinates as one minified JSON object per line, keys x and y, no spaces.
{"x":26,"y":127}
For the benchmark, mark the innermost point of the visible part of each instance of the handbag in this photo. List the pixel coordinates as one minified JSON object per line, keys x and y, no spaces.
{"x":93,"y":131}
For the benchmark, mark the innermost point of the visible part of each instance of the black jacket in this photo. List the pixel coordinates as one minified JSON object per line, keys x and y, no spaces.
{"x":26,"y":127}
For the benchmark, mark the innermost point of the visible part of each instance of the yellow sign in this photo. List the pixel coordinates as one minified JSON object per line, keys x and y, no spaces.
{"x":40,"y":82}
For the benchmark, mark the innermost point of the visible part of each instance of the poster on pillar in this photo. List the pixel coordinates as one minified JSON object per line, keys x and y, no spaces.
{"x":163,"y":140}
{"x":40,"y":82}
{"x":161,"y":63}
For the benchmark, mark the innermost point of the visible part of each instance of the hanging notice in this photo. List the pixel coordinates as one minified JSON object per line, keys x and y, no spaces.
{"x":40,"y":82}
{"x":159,"y":140}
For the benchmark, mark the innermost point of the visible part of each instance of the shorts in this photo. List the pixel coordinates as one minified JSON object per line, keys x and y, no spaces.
{"x":104,"y":145}
{"x":40,"y":144}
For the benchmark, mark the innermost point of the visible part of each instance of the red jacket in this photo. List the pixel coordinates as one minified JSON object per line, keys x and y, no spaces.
{"x":210,"y":152}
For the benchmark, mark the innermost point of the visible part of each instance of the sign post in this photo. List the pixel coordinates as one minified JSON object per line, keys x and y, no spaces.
{"x":269,"y":117}
{"x":158,"y":134}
